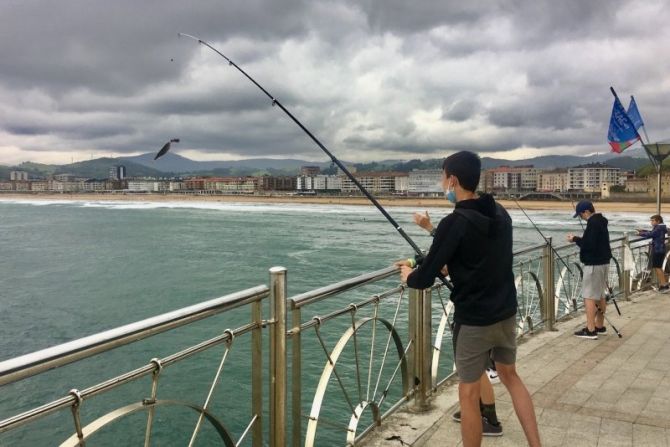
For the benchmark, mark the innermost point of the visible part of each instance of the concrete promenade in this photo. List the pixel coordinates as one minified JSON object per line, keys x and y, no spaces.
{"x":609,"y":392}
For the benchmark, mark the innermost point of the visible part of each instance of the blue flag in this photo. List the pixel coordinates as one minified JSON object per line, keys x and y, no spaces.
{"x":622,"y":132}
{"x":634,"y":114}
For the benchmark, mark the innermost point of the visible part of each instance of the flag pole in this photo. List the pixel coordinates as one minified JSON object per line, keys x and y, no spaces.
{"x":655,"y":161}
{"x":644,"y":129}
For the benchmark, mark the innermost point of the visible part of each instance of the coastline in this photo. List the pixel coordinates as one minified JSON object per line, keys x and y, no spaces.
{"x":418,"y":202}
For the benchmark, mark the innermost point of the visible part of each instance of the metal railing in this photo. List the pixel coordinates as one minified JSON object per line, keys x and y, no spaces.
{"x":367,"y":347}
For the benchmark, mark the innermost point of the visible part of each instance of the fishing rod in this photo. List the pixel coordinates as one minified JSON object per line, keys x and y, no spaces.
{"x":275,"y":102}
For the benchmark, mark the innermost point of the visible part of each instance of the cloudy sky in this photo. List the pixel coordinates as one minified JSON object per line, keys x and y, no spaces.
{"x":373,"y":80}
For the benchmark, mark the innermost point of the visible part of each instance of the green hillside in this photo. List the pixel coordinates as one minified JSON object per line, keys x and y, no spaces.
{"x":98,"y":168}
{"x":648,"y":169}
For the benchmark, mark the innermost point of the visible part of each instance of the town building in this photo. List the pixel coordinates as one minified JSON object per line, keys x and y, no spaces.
{"x":18,"y":175}
{"x":318,"y":183}
{"x":553,"y":181}
{"x":117,"y":172}
{"x":652,"y":184}
{"x":514,"y":178}
{"x":637,"y":184}
{"x":39,"y":185}
{"x":278,"y":183}
{"x":590,"y":177}
{"x":232,"y":184}
{"x":377,"y":182}
{"x":425,"y":182}
{"x":310,"y":170}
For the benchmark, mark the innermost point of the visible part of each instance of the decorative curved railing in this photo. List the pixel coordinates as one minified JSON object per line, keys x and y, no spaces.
{"x":340,"y":358}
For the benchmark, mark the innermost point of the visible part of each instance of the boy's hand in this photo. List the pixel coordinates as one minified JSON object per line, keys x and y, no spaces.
{"x":423,"y":220}
{"x":405,"y":270}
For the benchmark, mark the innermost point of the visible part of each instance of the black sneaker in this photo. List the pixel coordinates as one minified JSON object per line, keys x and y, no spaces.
{"x":601,"y":330}
{"x":489,"y":429}
{"x":585,"y":333}
{"x":456,"y":416}
{"x":664,"y":288}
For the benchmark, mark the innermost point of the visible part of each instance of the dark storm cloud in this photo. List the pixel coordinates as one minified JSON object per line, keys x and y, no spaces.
{"x":369,"y":78}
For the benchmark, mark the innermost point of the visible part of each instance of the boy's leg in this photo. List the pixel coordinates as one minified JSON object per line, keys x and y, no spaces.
{"x":486,"y":390}
{"x":590,"y":306}
{"x":523,"y":404}
{"x":600,"y":316}
{"x":471,"y":419}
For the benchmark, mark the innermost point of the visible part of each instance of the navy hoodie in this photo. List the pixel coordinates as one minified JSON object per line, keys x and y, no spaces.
{"x":657,"y":235}
{"x":594,"y":245}
{"x":475,"y":243}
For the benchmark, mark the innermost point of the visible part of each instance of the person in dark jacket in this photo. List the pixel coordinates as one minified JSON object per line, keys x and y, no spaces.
{"x":475,"y":244}
{"x":657,"y":235}
{"x":595,"y":254}
{"x":487,"y":404}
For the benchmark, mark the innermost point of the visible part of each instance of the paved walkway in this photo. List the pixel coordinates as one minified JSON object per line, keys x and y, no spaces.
{"x":609,"y":392}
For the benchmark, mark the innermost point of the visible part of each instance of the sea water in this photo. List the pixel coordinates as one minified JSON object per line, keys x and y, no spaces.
{"x":74,"y":268}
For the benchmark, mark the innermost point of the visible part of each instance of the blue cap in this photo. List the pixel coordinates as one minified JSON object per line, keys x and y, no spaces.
{"x":582,"y":206}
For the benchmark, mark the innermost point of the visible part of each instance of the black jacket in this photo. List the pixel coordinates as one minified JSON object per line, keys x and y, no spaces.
{"x":475,"y":243}
{"x":594,"y":245}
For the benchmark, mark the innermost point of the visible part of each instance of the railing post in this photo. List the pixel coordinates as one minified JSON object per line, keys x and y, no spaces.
{"x":624,"y":284}
{"x":257,"y":373}
{"x":549,"y":316}
{"x":421,"y":350}
{"x":296,"y":383}
{"x":278,"y":357}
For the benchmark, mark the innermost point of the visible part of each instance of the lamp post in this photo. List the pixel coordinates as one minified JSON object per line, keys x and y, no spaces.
{"x":657,"y":152}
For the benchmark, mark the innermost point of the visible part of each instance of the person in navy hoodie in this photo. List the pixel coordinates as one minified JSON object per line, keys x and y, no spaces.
{"x":657,"y":235}
{"x":595,"y":254}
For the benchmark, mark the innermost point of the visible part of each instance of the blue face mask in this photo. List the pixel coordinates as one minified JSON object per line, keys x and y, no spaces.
{"x":451,"y":196}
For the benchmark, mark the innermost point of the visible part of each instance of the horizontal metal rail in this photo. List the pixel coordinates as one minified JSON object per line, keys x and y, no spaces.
{"x":122,"y":379}
{"x":315,"y":295}
{"x":350,"y":308}
{"x":28,"y":365}
{"x":523,"y":251}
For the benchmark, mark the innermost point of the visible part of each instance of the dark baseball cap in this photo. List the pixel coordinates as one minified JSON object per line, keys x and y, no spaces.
{"x":582,"y":206}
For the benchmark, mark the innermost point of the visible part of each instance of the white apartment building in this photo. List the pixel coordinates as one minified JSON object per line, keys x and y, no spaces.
{"x":590,"y":178}
{"x":141,"y":185}
{"x":529,"y":177}
{"x":94,"y":185}
{"x":553,"y":181}
{"x":39,"y":185}
{"x":64,"y":186}
{"x":318,"y":183}
{"x":18,"y":175}
{"x":515,"y":178}
{"x":420,"y":181}
{"x":374,"y":181}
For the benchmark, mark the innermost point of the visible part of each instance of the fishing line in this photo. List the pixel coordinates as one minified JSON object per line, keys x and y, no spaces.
{"x":543,"y":237}
{"x":275,"y":102}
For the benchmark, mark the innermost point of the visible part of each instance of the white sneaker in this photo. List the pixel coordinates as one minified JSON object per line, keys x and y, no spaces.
{"x":492,"y":374}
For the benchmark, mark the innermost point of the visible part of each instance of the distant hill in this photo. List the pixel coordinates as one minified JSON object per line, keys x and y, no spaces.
{"x":97,"y":168}
{"x":174,"y":164}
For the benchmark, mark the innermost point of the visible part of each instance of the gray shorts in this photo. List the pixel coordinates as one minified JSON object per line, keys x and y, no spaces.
{"x":594,"y":281}
{"x":474,"y":344}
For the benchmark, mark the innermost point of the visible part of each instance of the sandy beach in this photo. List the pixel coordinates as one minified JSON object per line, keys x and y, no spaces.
{"x":418,"y":202}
